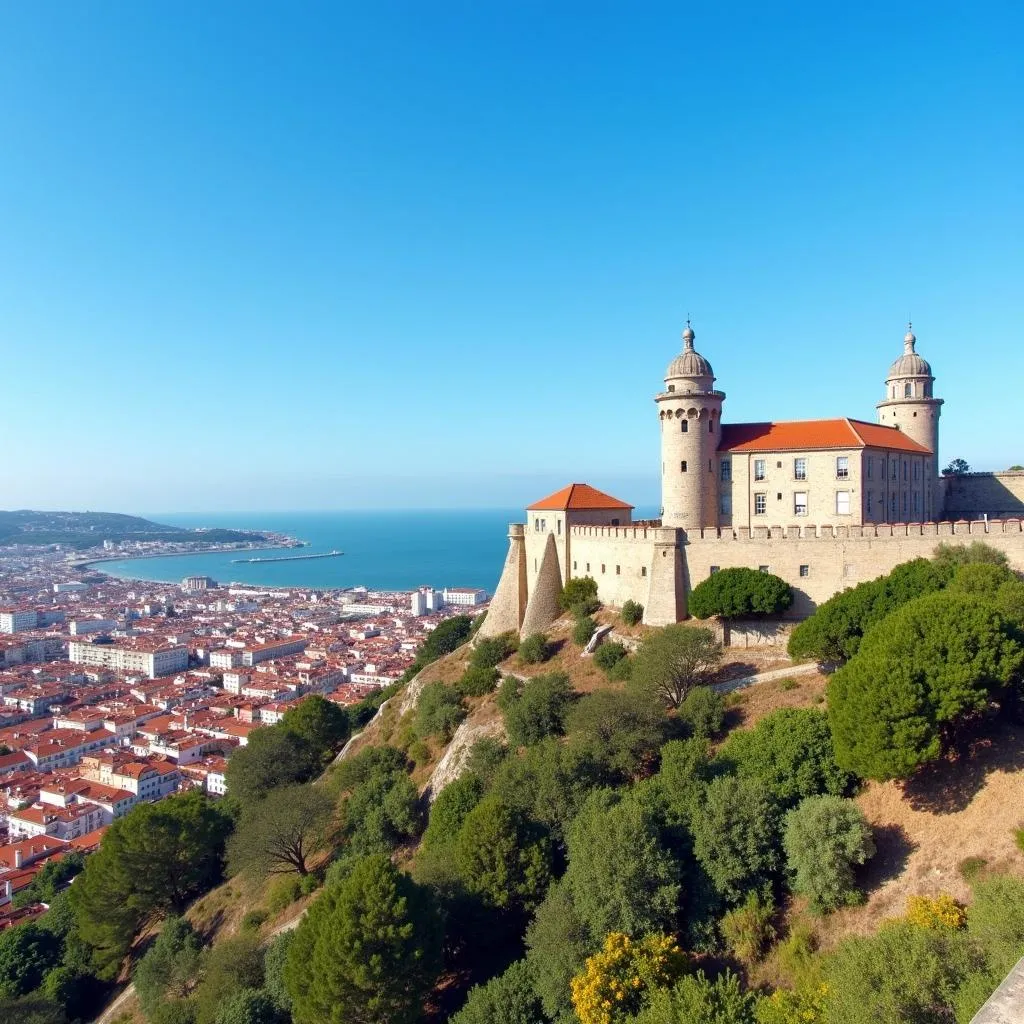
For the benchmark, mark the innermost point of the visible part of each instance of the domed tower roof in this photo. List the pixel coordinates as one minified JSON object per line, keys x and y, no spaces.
{"x":689,"y":363}
{"x":910,"y":364}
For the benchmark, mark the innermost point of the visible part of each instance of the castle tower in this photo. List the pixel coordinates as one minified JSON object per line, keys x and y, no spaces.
{"x":910,"y":405}
{"x":690,"y":412}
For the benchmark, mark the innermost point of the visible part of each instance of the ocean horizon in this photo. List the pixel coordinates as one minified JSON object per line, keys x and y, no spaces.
{"x":387,"y":549}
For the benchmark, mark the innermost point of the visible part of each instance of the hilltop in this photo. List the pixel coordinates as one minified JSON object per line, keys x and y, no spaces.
{"x":90,"y":529}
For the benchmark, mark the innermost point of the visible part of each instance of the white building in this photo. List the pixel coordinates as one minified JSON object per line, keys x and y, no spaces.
{"x":193,"y":584}
{"x":71,"y":587}
{"x":80,"y":627}
{"x":466,"y":597}
{"x":152,"y":662}
{"x":18,"y":620}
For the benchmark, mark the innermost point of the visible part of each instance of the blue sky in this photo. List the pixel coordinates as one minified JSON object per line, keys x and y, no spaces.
{"x":439,"y":254}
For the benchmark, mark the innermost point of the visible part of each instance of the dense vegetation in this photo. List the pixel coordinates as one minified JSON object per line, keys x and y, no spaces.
{"x":736,"y":593}
{"x":605,"y":864}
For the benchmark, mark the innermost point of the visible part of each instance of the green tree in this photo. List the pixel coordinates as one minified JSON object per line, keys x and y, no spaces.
{"x":901,"y":975}
{"x":152,"y":861}
{"x":536,"y":708}
{"x":697,"y":999}
{"x":632,"y":613}
{"x":995,"y":920}
{"x":955,"y":556}
{"x":674,"y":660}
{"x":229,"y":966}
{"x":791,"y":752}
{"x":507,"y":999}
{"x":324,"y":725}
{"x":957,"y":467}
{"x":450,"y":808}
{"x":825,"y":838}
{"x":367,"y":952}
{"x":51,"y":879}
{"x":274,"y":960}
{"x":579,"y":595}
{"x":477,"y":682}
{"x":273,"y":756}
{"x":703,"y":712}
{"x":740,"y":593}
{"x":620,"y":875}
{"x":282,"y":832}
{"x":835,"y":630}
{"x":381,"y":814}
{"x":502,"y":857}
{"x":558,"y":944}
{"x":27,"y":952}
{"x":489,"y":652}
{"x":535,"y":649}
{"x":736,"y":835}
{"x":250,"y":1006}
{"x":618,"y":730}
{"x":439,"y":711}
{"x":486,"y":756}
{"x":32,"y":1009}
{"x":938,"y":660}
{"x":169,"y":968}
{"x":446,"y":637}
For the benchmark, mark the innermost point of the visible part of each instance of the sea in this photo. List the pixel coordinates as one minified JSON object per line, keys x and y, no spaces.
{"x":383,"y":550}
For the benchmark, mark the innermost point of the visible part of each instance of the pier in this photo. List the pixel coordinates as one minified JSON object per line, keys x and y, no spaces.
{"x":289,"y":558}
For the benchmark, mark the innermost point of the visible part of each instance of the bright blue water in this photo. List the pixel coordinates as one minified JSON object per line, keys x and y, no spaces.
{"x":389,"y":550}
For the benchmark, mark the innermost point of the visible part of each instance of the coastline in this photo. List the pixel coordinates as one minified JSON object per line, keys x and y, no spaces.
{"x":86,"y":563}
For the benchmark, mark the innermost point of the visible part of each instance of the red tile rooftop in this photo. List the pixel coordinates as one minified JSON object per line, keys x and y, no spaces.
{"x":578,"y":497}
{"x":809,"y":435}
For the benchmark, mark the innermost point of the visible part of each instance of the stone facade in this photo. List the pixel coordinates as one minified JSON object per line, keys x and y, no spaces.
{"x":823,"y":504}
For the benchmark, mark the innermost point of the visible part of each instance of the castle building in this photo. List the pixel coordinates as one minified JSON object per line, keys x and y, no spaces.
{"x":824,"y":504}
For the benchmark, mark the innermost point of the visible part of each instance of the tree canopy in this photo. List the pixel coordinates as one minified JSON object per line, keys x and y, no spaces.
{"x":273,"y":756}
{"x":673,"y":660}
{"x":938,"y":660}
{"x":739,"y":593}
{"x":324,"y":725}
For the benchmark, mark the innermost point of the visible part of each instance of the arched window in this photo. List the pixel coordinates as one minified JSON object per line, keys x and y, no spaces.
{"x":908,"y":389}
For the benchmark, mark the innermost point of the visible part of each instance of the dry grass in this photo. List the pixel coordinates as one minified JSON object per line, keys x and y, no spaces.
{"x":750,"y":705}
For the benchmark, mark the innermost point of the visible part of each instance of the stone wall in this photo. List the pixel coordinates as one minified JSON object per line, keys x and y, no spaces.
{"x":973,"y":495}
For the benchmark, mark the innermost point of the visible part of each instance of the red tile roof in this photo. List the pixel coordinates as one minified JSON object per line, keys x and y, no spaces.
{"x":578,"y":496}
{"x":807,"y":435}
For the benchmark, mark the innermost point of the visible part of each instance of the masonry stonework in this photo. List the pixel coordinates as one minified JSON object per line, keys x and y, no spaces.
{"x":824,"y":504}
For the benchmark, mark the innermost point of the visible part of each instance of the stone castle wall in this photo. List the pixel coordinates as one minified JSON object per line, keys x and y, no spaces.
{"x":971,"y":495}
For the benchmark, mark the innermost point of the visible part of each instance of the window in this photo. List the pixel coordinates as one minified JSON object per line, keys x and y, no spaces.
{"x":917,"y":470}
{"x":805,"y":570}
{"x":682,"y":466}
{"x":602,"y":568}
{"x":536,"y":526}
{"x":726,"y":470}
{"x":908,"y":389}
{"x":588,"y":567}
{"x":904,"y":469}
{"x":800,"y":469}
{"x":618,"y":570}
{"x":711,"y":426}
{"x":904,"y":504}
{"x":558,"y":524}
{"x":762,"y":568}
{"x":895,"y":470}
{"x":710,"y":470}
{"x":671,"y":387}
{"x":867,"y":503}
{"x":842,"y":503}
{"x":760,"y":504}
{"x":843,"y":467}
{"x":574,"y":566}
{"x":643,"y":570}
{"x":800,"y":503}
{"x":917,"y":503}
{"x":725,"y":504}
{"x":868,"y":461}
{"x":684,"y":426}
{"x":892,"y":505}
{"x":758,"y":469}
{"x":714,"y":569}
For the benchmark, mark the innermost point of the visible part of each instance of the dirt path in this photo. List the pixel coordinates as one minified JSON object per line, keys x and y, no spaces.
{"x":766,"y":677}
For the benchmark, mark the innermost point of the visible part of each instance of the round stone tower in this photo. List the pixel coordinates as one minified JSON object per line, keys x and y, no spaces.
{"x":910,"y":405}
{"x":690,"y":412}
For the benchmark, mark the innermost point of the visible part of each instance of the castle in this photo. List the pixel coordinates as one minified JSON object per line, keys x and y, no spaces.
{"x":824,"y":504}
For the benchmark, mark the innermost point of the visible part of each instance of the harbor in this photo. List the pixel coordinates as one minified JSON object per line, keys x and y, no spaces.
{"x":288,"y":558}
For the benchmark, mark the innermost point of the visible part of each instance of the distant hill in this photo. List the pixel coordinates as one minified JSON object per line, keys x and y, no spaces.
{"x":89,"y":529}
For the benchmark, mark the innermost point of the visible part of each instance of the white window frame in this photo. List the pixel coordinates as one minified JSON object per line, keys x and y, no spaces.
{"x":842,"y":467}
{"x":759,"y":469}
{"x":763,"y":510}
{"x":800,"y":469}
{"x":797,"y":509}
{"x":842,"y":498}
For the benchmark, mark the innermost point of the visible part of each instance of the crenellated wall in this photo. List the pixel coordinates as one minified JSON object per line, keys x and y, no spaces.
{"x":972,"y":495}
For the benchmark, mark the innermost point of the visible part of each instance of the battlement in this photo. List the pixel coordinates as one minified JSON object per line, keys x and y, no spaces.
{"x":975,"y":529}
{"x":641,"y":532}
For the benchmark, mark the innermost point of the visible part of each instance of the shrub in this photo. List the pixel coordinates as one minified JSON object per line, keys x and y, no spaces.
{"x":439,"y":711}
{"x":284,"y":891}
{"x":788,"y":684}
{"x":537,"y":710}
{"x":485,"y":758}
{"x":942,"y":912}
{"x":579,"y":595}
{"x":419,"y":752}
{"x":618,"y":730}
{"x":970,"y":868}
{"x":937,"y":661}
{"x":738,"y":593}
{"x":534,"y":649}
{"x":791,"y":752}
{"x":253,"y":920}
{"x":632,"y":613}
{"x":477,"y":682}
{"x":615,"y":980}
{"x":804,"y":1005}
{"x":621,"y":671}
{"x":583,"y":630}
{"x":977,"y":552}
{"x":696,"y":999}
{"x":703,"y":712}
{"x":995,"y":919}
{"x":608,"y":655}
{"x":450,"y":808}
{"x":1018,"y":838}
{"x":489,"y":652}
{"x":748,"y":930}
{"x":825,"y":837}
